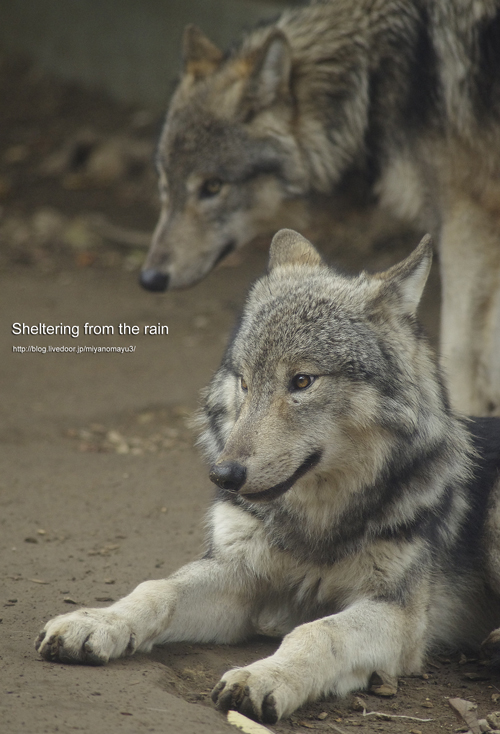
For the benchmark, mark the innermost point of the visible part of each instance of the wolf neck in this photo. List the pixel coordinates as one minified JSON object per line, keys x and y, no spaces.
{"x":337,"y":49}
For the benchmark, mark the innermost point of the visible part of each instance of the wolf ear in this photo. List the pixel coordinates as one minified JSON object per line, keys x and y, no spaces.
{"x":201,"y":57}
{"x":290,"y":248}
{"x":271,"y":67}
{"x":410,"y":276}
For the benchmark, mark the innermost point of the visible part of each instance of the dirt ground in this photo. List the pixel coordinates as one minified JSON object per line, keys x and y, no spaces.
{"x":101,"y":486}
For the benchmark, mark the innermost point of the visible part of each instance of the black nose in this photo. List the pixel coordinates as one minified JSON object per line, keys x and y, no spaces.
{"x":153,"y":280}
{"x":228,"y":475}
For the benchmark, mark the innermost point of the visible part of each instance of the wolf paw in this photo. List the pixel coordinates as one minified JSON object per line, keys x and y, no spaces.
{"x":88,"y":636}
{"x":255,"y":692}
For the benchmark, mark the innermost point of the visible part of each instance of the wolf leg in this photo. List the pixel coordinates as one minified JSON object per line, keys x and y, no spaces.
{"x":470,"y":314}
{"x":335,"y":654}
{"x":204,"y":601}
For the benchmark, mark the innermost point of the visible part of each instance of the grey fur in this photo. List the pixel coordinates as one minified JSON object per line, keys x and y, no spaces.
{"x":357,"y":516}
{"x":408,"y":91}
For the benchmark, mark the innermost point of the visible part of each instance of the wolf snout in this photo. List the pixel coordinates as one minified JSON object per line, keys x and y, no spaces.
{"x":228,"y":475}
{"x":154,"y":280}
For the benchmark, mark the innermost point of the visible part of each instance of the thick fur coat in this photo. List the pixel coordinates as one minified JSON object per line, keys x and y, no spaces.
{"x":407,"y":91}
{"x":357,"y":516}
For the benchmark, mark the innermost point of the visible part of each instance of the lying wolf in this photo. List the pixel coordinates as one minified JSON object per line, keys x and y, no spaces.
{"x":406,"y":90}
{"x":357,"y":515}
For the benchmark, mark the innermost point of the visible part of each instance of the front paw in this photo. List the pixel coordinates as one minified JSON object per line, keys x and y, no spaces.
{"x":88,"y":636}
{"x":258,"y":691}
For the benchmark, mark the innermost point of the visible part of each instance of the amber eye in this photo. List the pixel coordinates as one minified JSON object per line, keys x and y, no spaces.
{"x":210,"y":187}
{"x":243,"y":385}
{"x":300,"y":382}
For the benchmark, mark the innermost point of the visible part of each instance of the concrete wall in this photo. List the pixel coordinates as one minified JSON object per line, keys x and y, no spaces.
{"x":129,"y":48}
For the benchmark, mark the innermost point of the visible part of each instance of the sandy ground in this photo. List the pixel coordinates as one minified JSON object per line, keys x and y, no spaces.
{"x":81,"y":526}
{"x":101,"y":486}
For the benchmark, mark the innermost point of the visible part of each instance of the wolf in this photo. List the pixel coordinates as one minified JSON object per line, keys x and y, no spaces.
{"x":357,"y":516}
{"x":407,"y":92}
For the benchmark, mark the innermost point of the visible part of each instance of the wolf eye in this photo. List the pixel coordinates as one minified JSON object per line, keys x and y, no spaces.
{"x":300,"y":382}
{"x":243,"y":385}
{"x":210,"y":187}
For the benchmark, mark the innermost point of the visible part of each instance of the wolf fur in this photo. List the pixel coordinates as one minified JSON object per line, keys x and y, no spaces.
{"x":408,"y":91}
{"x":356,"y":515}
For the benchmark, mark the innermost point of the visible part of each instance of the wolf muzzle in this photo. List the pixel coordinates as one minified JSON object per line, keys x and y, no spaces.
{"x":231,"y":476}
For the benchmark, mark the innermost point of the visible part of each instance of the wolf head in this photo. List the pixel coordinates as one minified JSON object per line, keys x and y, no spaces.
{"x":245,"y":141}
{"x":224,"y":167}
{"x":327,"y":375}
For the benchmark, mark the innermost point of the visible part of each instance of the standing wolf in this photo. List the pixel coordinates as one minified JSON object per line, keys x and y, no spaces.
{"x":356,"y":515}
{"x":406,"y":90}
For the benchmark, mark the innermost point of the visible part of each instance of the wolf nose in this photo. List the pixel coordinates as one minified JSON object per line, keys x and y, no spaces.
{"x":228,"y":475}
{"x":153,"y":280}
